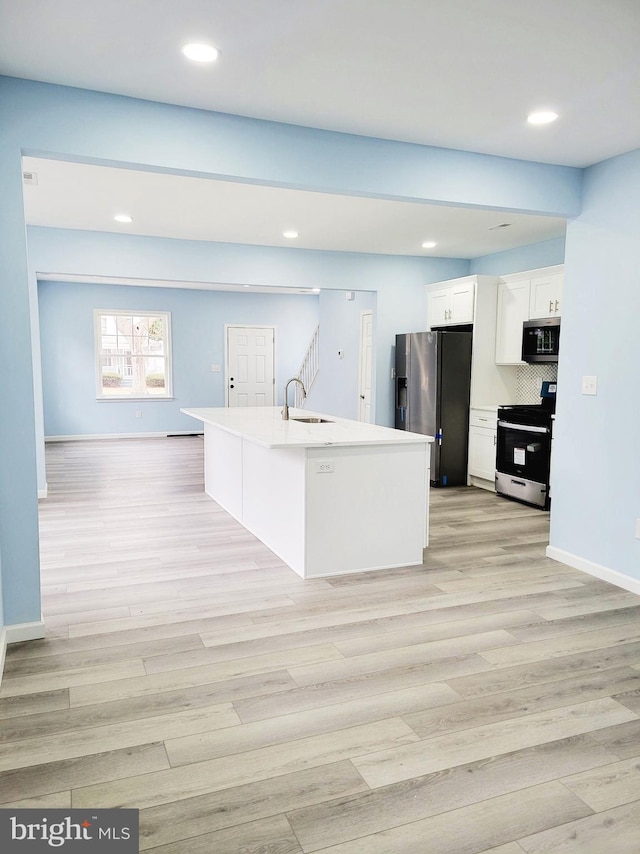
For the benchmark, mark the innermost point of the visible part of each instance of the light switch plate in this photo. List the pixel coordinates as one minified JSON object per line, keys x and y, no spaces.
{"x":589,"y":385}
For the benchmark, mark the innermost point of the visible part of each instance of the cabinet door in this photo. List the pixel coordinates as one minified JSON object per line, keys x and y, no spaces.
{"x":462,"y":303}
{"x":438,"y":307}
{"x":482,"y":452}
{"x":513,"y":310}
{"x":545,"y":297}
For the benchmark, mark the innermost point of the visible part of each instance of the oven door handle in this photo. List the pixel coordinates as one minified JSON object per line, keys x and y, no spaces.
{"x":524,"y":428}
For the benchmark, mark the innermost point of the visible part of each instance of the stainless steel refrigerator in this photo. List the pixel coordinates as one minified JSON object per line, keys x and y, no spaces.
{"x":433,"y":382}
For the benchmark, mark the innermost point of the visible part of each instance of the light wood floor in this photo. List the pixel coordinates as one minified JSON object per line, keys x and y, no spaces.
{"x":488,"y":700}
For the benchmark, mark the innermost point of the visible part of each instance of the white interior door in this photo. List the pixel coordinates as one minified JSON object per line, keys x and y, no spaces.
{"x":366,"y":357}
{"x":250,"y":365}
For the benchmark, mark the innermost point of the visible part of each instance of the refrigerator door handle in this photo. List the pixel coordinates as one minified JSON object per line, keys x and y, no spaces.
{"x":438,"y":436}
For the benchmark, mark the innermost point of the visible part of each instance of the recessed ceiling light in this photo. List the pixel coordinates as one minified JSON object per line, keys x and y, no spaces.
{"x":200,"y":52}
{"x":290,"y":235}
{"x":123,"y":218}
{"x":542,"y":117}
{"x":429,"y":244}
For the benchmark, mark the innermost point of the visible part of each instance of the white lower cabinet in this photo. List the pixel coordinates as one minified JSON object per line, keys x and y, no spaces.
{"x":482,"y":449}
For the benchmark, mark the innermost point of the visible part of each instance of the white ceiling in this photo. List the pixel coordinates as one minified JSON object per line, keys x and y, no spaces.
{"x":456,"y":73}
{"x":75,"y":195}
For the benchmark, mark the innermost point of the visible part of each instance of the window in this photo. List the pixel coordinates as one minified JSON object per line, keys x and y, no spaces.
{"x":133,"y":355}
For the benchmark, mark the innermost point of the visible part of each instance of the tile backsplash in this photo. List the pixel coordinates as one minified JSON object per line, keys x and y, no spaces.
{"x":529,"y":379}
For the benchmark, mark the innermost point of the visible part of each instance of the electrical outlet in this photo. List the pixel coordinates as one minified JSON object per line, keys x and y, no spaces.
{"x":215,"y":369}
{"x":138,"y":413}
{"x":589,"y":385}
{"x":324,"y":466}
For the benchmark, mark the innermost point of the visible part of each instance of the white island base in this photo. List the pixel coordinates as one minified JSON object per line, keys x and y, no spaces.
{"x":329,"y":498}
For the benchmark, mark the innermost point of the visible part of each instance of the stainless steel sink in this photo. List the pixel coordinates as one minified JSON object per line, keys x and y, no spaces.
{"x":311,"y":420}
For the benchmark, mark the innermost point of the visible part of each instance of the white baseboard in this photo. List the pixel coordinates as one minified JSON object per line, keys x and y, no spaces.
{"x":42,"y":493}
{"x":591,"y":568}
{"x":17,"y":633}
{"x":25,"y":631}
{"x":88,"y":436}
{"x":481,"y":483}
{"x":3,"y":651}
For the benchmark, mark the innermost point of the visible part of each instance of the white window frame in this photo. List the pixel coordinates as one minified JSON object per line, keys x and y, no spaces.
{"x":97,"y":346}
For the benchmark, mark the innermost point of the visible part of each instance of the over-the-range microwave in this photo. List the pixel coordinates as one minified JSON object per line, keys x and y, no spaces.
{"x":541,"y":340}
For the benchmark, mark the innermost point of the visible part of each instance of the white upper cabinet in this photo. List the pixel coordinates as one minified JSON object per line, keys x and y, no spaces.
{"x":513,"y":310}
{"x":452,"y":304}
{"x":472,"y":300}
{"x":524,"y":296}
{"x":546,"y":296}
{"x":438,"y":307}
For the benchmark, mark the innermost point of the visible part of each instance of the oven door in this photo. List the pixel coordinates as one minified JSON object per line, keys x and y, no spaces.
{"x":522,"y":461}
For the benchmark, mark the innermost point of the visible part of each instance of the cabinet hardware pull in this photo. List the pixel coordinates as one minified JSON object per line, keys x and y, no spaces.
{"x":550,"y":305}
{"x":556,"y":305}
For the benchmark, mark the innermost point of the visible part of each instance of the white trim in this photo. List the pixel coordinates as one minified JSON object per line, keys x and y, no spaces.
{"x":43,"y":493}
{"x":229,"y":326}
{"x":25,"y":631}
{"x":626,"y":582}
{"x":364,"y":313}
{"x":93,"y":279}
{"x":16,"y":634}
{"x":552,"y":270}
{"x":167,"y":355}
{"x":3,"y":651}
{"x":88,"y":436}
{"x":132,"y":397}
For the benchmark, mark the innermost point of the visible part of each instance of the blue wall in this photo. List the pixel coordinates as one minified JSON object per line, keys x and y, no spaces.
{"x":596,"y":490}
{"x":547,"y":253}
{"x":336,"y":388}
{"x":198,"y":320}
{"x":45,"y":120}
{"x":397,"y":281}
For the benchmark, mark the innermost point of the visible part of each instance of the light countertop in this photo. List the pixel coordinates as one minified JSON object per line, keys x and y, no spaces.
{"x":264,"y":426}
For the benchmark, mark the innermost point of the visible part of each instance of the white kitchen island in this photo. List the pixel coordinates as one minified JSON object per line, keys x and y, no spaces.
{"x":328,"y":498}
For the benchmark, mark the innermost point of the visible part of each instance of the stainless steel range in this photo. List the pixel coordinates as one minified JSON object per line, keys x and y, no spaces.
{"x":523,"y":452}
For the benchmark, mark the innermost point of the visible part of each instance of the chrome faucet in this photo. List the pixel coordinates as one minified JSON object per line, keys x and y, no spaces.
{"x":285,"y":408}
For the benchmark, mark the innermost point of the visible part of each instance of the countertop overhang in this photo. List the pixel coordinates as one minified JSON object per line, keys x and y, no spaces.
{"x":265,"y":426}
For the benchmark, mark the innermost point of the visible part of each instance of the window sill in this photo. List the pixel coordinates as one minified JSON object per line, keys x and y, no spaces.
{"x":147,"y":398}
